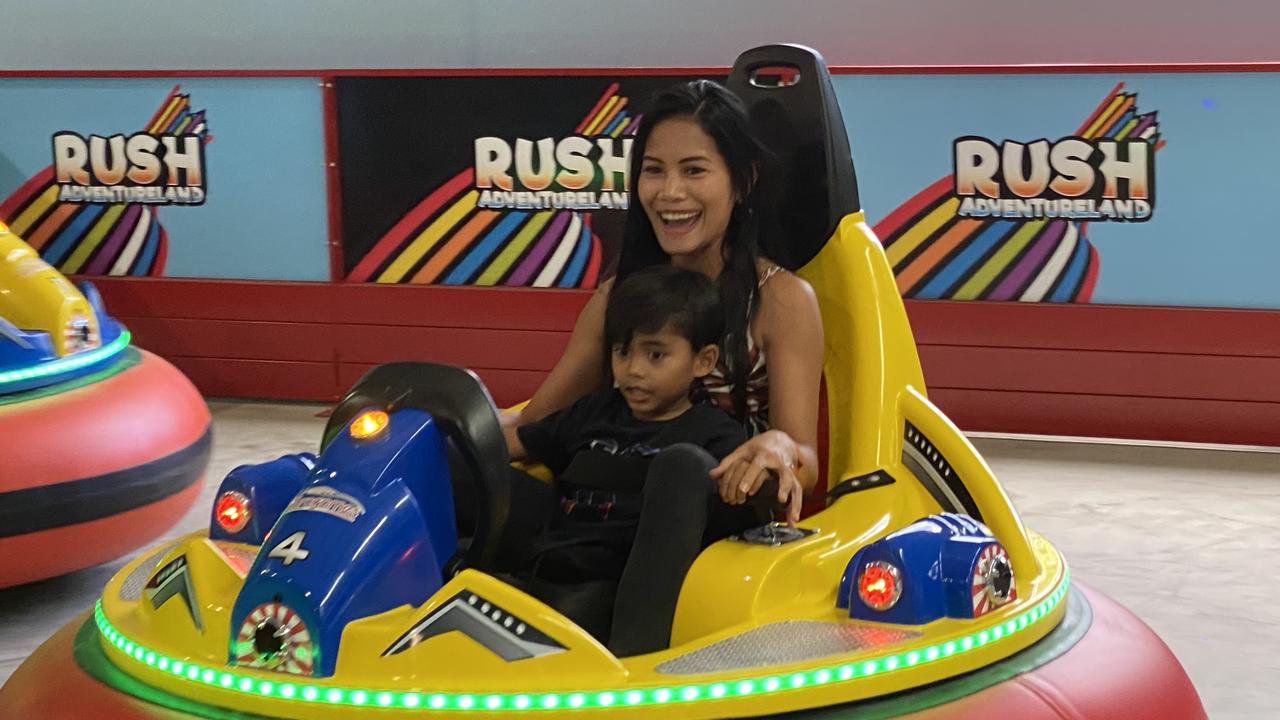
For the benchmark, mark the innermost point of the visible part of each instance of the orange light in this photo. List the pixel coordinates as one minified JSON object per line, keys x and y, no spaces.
{"x":232,"y":511}
{"x":368,"y":424}
{"x":880,"y":585}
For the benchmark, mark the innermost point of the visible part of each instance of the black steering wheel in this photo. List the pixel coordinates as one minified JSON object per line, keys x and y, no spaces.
{"x":465,"y":411}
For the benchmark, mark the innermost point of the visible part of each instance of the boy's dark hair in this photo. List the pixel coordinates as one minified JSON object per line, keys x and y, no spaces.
{"x":661,"y":295}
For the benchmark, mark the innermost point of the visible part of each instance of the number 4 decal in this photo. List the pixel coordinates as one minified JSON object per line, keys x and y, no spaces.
{"x":290,"y":548}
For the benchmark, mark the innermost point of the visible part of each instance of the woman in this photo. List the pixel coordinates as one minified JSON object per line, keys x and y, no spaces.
{"x":695,"y":201}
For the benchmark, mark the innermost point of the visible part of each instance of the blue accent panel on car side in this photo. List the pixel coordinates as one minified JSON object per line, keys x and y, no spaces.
{"x":412,"y":448}
{"x":351,"y":569}
{"x":370,"y":530}
{"x":935,"y":556}
{"x":391,"y":566}
{"x":269,"y":487}
{"x":959,"y":558}
{"x":21,"y":349}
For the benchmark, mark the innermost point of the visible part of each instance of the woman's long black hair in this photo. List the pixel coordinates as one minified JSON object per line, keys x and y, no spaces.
{"x":723,"y":116}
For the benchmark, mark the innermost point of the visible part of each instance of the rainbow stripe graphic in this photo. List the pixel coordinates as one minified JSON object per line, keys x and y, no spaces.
{"x":100,"y":239}
{"x":447,"y":240}
{"x":937,"y":255}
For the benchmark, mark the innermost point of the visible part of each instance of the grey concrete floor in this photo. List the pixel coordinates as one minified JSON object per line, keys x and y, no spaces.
{"x":1186,"y":538}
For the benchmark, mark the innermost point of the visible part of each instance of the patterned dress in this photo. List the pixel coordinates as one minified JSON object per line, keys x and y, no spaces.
{"x":718,"y":390}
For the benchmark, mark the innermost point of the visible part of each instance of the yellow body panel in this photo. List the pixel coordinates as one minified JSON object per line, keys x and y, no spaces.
{"x":875,"y":384}
{"x":870,"y":355}
{"x":35,"y":296}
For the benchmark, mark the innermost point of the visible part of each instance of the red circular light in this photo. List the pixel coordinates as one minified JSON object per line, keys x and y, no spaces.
{"x":232,"y":511}
{"x":880,"y":585}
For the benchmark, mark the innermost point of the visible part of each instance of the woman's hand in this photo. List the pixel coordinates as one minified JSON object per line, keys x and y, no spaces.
{"x":769,"y":454}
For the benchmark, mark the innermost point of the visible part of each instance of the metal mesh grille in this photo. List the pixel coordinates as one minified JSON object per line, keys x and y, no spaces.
{"x":784,"y":642}
{"x":131,"y":590}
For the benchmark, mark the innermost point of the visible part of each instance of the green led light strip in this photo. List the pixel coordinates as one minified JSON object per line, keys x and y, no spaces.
{"x":68,"y":363}
{"x":329,"y":695}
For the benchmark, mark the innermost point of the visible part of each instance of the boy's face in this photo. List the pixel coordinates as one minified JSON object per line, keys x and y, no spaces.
{"x":655,"y":370}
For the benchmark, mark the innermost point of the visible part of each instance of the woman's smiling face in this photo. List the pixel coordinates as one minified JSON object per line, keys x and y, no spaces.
{"x":686,"y":191}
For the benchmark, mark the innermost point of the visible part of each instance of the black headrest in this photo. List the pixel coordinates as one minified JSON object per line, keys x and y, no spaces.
{"x":788,"y":93}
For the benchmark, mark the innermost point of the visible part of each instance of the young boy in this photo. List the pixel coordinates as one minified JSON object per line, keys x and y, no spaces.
{"x":662,"y":328}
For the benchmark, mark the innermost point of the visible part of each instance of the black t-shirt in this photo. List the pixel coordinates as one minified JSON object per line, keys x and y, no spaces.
{"x":600,"y":454}
{"x":597,"y":444}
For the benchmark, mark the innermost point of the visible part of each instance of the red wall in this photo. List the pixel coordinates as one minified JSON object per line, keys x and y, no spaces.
{"x":1098,"y":370}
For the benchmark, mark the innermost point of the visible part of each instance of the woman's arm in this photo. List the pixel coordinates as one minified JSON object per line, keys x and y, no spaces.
{"x":789,"y":327}
{"x":580,"y":369}
{"x":791,"y":330}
